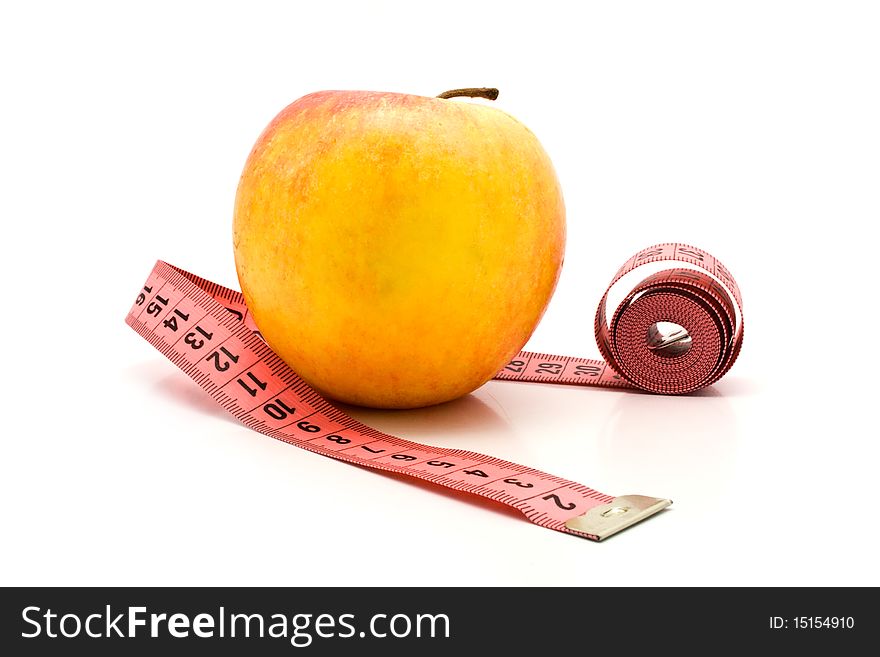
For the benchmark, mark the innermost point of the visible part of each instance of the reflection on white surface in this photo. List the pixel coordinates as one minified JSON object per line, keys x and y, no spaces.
{"x":682,"y":446}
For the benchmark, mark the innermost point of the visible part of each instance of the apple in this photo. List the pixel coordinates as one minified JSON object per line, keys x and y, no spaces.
{"x":397,"y":250}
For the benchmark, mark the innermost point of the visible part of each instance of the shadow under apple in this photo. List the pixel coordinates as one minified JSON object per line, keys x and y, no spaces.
{"x":466,"y":415}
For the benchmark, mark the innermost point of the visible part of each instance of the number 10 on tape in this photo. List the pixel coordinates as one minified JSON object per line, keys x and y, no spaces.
{"x":206,"y":330}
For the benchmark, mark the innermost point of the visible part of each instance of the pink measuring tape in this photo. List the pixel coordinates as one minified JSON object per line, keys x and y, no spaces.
{"x":206,"y":330}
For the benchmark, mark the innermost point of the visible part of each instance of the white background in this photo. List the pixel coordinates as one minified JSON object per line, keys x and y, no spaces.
{"x":751,"y":129}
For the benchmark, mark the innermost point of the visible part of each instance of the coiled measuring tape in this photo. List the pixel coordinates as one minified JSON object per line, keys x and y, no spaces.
{"x":207,"y":331}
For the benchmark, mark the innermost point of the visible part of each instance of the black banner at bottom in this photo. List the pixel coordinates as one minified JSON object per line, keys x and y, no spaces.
{"x":426,"y":621}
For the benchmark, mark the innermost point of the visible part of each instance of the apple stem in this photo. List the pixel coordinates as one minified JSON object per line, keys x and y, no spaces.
{"x":488,"y":93}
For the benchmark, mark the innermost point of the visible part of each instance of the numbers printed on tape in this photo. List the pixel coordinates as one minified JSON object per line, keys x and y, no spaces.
{"x":206,"y":330}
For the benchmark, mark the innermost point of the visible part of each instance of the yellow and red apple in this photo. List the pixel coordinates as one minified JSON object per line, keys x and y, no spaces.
{"x":397,"y":250}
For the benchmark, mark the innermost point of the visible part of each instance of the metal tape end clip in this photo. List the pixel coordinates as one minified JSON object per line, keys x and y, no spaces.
{"x":606,"y":519}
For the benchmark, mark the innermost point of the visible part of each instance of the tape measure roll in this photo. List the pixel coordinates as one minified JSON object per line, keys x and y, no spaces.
{"x":639,"y":355}
{"x":207,"y":331}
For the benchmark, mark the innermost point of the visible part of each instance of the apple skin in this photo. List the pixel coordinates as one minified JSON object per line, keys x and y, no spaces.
{"x":397,"y":250}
